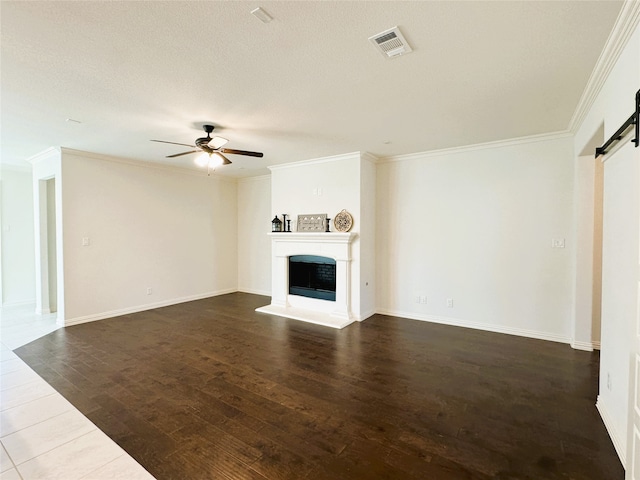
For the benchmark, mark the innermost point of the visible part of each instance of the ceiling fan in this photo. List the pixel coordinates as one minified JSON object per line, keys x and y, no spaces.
{"x":212,"y":149}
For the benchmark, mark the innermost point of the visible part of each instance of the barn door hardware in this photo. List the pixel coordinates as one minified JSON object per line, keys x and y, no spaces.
{"x":634,"y":119}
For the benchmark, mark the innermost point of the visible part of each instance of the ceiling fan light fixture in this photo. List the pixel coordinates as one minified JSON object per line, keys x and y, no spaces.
{"x":202,"y":160}
{"x":210,"y":146}
{"x":214,"y":161}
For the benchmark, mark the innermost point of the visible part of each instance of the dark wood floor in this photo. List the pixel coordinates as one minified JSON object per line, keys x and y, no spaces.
{"x":211,"y":389}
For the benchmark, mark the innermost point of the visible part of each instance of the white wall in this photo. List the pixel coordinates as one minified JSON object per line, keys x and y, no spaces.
{"x":18,"y":261}
{"x":254,"y":245}
{"x":170,"y":230}
{"x":476,"y":225}
{"x":613,"y":105}
{"x":368,"y":184}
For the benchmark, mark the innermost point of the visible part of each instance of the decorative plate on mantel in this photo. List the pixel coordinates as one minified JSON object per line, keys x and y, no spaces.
{"x":343,"y":221}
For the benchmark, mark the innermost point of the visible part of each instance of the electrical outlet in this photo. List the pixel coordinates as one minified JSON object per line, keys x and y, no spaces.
{"x":86,"y":241}
{"x":423,"y":299}
{"x":149,"y":290}
{"x":557,"y":243}
{"x":450,"y":302}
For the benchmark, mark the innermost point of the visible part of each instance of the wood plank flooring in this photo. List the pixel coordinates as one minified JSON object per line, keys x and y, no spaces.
{"x":211,"y":389}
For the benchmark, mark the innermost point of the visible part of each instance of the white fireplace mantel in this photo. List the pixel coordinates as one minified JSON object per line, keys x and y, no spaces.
{"x":331,"y":244}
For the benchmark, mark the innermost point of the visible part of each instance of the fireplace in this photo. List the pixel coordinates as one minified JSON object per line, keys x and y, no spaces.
{"x":312,"y":276}
{"x":322,"y":301}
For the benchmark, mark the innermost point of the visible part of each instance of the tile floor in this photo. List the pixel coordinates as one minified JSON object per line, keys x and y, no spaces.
{"x":43,"y":436}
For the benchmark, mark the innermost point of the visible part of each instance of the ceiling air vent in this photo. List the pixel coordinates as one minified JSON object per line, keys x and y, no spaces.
{"x":391,"y":43}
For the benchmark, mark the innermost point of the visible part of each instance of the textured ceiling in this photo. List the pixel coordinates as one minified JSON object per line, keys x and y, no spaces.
{"x":306,"y":85}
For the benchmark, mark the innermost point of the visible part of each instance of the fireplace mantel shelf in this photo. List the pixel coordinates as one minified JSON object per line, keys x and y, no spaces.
{"x":338,"y":237}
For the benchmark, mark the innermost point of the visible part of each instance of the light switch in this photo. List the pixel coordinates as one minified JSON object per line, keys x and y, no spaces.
{"x":86,"y":241}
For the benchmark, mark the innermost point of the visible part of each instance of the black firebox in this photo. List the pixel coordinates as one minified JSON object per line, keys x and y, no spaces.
{"x":312,"y":276}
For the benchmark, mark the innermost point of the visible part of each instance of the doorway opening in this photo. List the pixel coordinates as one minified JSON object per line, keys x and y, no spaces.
{"x":47,"y":301}
{"x":588,"y":201}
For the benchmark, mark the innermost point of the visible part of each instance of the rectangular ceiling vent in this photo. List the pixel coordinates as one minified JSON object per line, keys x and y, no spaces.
{"x":391,"y":43}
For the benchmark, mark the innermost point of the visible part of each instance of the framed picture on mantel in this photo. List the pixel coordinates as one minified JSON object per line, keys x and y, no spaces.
{"x":312,"y":222}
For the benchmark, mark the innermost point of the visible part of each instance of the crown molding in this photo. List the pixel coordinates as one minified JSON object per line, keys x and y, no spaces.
{"x":317,"y":161}
{"x":370,"y":157}
{"x":622,"y":31}
{"x":44,"y":155}
{"x":141,"y":163}
{"x":545,"y":137}
{"x":255,"y":178}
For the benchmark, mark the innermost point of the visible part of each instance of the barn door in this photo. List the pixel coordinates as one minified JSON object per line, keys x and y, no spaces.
{"x":633,"y":434}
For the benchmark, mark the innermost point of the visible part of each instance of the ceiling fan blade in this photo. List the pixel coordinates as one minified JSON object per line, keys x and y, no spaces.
{"x":217,"y":142}
{"x":172,"y":143}
{"x":183,"y":153}
{"x":241,"y":152}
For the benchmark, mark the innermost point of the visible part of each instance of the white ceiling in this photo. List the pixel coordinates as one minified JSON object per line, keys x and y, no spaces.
{"x":306,"y":85}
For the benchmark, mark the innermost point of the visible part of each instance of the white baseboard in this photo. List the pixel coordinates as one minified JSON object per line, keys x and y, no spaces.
{"x":266,"y":293}
{"x":619,"y":442}
{"x":362,"y":317}
{"x":141,"y":308}
{"x":489,"y":327}
{"x":585,"y":346}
